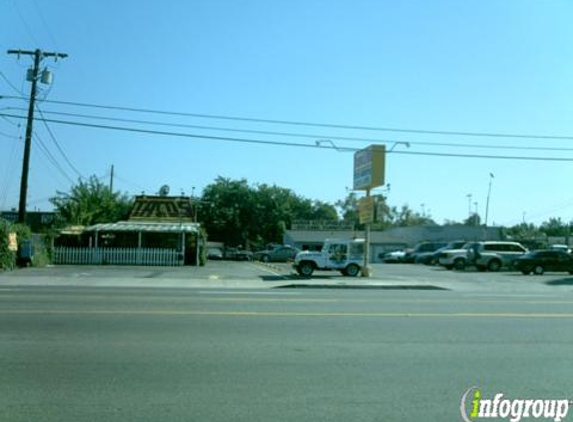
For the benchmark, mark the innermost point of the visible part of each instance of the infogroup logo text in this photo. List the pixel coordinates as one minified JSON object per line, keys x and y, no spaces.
{"x":512,"y":409}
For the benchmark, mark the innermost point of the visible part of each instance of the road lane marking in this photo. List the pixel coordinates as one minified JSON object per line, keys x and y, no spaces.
{"x":467,"y":315}
{"x":234,"y":292}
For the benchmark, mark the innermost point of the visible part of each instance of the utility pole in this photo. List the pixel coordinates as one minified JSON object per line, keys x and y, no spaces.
{"x":33,"y":76}
{"x":111,"y":180}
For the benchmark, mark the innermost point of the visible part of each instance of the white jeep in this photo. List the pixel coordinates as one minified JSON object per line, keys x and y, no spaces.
{"x":342,"y":255}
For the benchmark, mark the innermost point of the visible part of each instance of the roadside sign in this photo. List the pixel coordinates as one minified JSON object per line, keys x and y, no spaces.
{"x":369,"y":167}
{"x":366,"y":210}
{"x":12,"y":242}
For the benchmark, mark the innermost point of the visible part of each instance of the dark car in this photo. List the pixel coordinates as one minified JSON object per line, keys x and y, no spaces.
{"x":237,"y":254}
{"x":544,"y":260}
{"x":421,"y":248}
{"x":278,"y":254}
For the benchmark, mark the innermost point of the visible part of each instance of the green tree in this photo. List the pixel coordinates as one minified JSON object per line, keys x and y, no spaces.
{"x":405,"y":216}
{"x":473,"y":220}
{"x":523,"y":231}
{"x":90,"y":202}
{"x":239,"y":214}
{"x":554,"y":227}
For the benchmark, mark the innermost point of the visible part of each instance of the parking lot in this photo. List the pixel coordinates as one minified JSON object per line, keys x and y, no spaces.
{"x":231,"y":274}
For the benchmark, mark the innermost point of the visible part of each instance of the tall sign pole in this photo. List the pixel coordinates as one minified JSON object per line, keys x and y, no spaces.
{"x":38,"y":56}
{"x":369,"y":170}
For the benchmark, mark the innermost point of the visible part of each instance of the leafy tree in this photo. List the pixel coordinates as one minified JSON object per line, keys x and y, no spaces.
{"x":90,"y":202}
{"x":523,"y":231}
{"x":239,"y":214}
{"x":554,"y":227}
{"x":473,"y":220}
{"x":408,"y":217}
{"x":348,"y":209}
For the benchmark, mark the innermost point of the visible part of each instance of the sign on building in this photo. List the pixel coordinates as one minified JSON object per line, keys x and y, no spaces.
{"x":12,"y":242}
{"x":369,"y":167}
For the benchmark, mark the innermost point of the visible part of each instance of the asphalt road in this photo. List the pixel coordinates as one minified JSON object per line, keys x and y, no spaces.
{"x":143,"y":354}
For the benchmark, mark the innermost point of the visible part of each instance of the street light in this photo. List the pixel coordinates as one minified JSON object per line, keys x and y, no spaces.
{"x":491,"y":177}
{"x":469,"y":196}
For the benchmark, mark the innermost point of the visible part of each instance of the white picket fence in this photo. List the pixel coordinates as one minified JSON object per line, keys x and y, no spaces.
{"x":116,"y":256}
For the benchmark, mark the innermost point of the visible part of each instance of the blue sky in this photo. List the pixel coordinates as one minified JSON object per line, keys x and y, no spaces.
{"x":463,"y":66}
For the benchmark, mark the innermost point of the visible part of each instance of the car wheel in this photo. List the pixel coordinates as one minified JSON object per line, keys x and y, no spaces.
{"x":306,"y":269}
{"x":352,"y":270}
{"x":459,"y":264}
{"x":494,"y":265}
{"x":265,"y":258}
{"x":538,"y":270}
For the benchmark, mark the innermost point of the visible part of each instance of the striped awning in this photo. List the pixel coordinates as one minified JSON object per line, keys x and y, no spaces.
{"x":147,"y":227}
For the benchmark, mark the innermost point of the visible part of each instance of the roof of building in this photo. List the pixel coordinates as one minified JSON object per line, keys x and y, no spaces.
{"x":146,"y":226}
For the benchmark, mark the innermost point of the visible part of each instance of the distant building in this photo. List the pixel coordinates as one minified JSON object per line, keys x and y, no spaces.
{"x":38,"y":221}
{"x":392,"y":239}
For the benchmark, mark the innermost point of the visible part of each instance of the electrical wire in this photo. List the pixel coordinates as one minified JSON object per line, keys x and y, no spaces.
{"x":10,"y":83}
{"x":7,"y":180}
{"x":295,"y":135}
{"x":52,"y":136}
{"x":45,"y":24}
{"x":21,"y":16}
{"x":46,"y":152}
{"x":292,"y":144}
{"x":312,"y":124}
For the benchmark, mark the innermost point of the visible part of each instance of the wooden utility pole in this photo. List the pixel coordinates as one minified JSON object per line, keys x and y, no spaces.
{"x":38,"y":56}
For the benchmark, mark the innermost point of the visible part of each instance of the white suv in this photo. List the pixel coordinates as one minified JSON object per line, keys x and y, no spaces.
{"x":488,"y":255}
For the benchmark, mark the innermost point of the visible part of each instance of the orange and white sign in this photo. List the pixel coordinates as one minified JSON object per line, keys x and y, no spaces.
{"x":12,"y":242}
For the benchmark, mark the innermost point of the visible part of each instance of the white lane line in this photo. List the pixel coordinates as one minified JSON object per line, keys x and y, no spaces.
{"x":235,"y":292}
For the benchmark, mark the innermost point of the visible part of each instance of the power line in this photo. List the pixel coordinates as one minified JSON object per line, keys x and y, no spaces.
{"x":46,"y":26}
{"x":21,"y":16}
{"x":46,"y":152}
{"x":292,"y":144}
{"x":10,"y":83}
{"x":296,"y":135}
{"x":312,"y":124}
{"x":58,"y":144}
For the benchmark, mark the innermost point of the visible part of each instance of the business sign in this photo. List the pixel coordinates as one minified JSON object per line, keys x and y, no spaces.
{"x":366,"y":210}
{"x":12,"y":242}
{"x":369,"y":166}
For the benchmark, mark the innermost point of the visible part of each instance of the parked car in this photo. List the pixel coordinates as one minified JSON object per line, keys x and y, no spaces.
{"x":560,"y":247}
{"x":423,"y":248}
{"x":215,"y":253}
{"x":282,"y":253}
{"x":490,"y":255}
{"x":237,"y":254}
{"x":393,"y":256}
{"x":432,"y":258}
{"x":544,"y":260}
